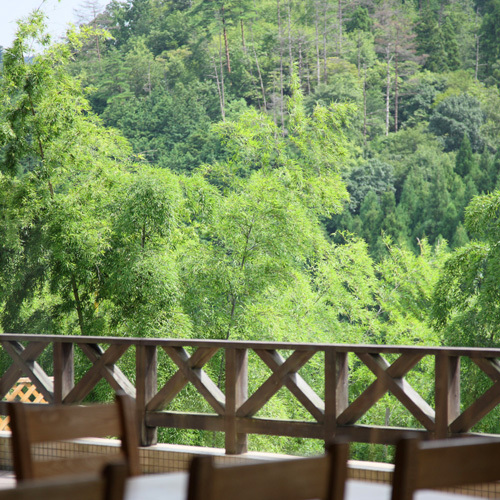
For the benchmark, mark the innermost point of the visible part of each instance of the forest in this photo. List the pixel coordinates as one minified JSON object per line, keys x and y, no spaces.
{"x":320,"y":171}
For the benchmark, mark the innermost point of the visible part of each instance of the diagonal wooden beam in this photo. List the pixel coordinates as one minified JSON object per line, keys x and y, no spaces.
{"x":477,"y":410}
{"x":490,"y":366}
{"x":194,"y":374}
{"x":167,"y":393}
{"x":178,"y":381}
{"x":274,"y":383}
{"x":24,"y":363}
{"x":362,"y":403}
{"x":392,"y":377}
{"x":403,"y":364}
{"x":295,"y":383}
{"x":386,"y":375}
{"x":115,"y":377}
{"x":103,"y":367}
{"x":372,"y":394}
{"x":13,"y":373}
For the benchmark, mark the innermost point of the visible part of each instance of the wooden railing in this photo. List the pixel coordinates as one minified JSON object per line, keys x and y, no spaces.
{"x":138,"y":367}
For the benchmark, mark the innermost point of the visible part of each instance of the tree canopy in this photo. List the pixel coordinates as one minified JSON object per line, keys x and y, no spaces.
{"x":295,"y":171}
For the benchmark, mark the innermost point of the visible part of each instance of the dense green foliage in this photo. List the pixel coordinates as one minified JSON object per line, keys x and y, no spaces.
{"x":290,"y":171}
{"x":421,"y":78}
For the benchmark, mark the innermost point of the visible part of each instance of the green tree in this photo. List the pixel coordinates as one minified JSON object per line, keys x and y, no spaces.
{"x":456,"y":116}
{"x":465,"y":161}
{"x":142,"y":288}
{"x":57,"y":162}
{"x":466,"y":299}
{"x":262,"y":224}
{"x":171,"y":127}
{"x":437,"y":42}
{"x":359,"y":20}
{"x":373,"y":175}
{"x":450,"y":45}
{"x":490,"y":37}
{"x":430,"y":41}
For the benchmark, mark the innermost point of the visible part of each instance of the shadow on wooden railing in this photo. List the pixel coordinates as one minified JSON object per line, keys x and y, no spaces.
{"x":233,"y":409}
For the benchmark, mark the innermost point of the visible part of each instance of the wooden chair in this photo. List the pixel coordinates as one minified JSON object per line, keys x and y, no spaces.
{"x":444,"y":464}
{"x":110,"y":485}
{"x":32,"y":425}
{"x":291,"y":479}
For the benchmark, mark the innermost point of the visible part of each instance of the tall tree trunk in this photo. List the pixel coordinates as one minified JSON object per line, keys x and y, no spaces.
{"x":388,"y":89}
{"x":316,"y":23}
{"x":325,"y":26}
{"x":396,"y":92}
{"x":258,"y":70}
{"x":280,"y":34}
{"x":308,"y":76}
{"x":340,"y":19}
{"x":476,"y":69}
{"x":243,"y":36}
{"x":78,"y":305}
{"x":358,"y":43}
{"x":248,"y":62}
{"x":226,"y":44}
{"x":220,"y":86}
{"x":290,"y":51}
{"x":364,"y":112}
{"x":223,"y":92}
{"x":98,"y":48}
{"x":300,"y":59}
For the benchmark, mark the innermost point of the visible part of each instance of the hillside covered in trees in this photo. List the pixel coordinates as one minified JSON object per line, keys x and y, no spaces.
{"x":320,"y":171}
{"x":422,"y":76}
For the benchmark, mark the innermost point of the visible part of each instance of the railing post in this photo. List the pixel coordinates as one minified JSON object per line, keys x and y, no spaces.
{"x":447,"y":392}
{"x":146,"y":388}
{"x":336,"y":390}
{"x":236,"y":394}
{"x":64,"y":370}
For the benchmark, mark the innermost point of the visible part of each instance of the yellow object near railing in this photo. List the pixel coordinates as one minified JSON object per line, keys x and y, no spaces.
{"x":24,"y":391}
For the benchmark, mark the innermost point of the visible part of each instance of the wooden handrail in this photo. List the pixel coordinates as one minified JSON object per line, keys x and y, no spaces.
{"x":232,"y":409}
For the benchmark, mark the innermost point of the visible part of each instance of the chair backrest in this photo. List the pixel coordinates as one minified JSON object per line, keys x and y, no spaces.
{"x":288,"y":479}
{"x":444,"y":464}
{"x":110,"y":485}
{"x":33,"y":424}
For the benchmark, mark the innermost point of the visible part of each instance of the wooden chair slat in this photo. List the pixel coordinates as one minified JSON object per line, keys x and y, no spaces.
{"x":444,"y":464}
{"x":57,"y":423}
{"x":88,"y":464}
{"x":50,"y":424}
{"x":110,"y":485}
{"x":292,"y":479}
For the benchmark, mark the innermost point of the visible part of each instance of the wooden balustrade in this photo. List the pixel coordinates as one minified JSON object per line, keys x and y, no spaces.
{"x":233,"y":410}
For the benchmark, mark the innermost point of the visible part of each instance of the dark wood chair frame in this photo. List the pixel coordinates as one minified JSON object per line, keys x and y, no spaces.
{"x":36,"y":424}
{"x":110,"y":485}
{"x":320,"y":477}
{"x":444,"y":464}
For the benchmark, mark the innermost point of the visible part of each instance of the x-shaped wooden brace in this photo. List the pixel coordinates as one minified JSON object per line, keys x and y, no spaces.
{"x":485,"y":403}
{"x":190,"y":370}
{"x":284,"y":374}
{"x":103,"y":366}
{"x":389,"y":378}
{"x":24,"y":363}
